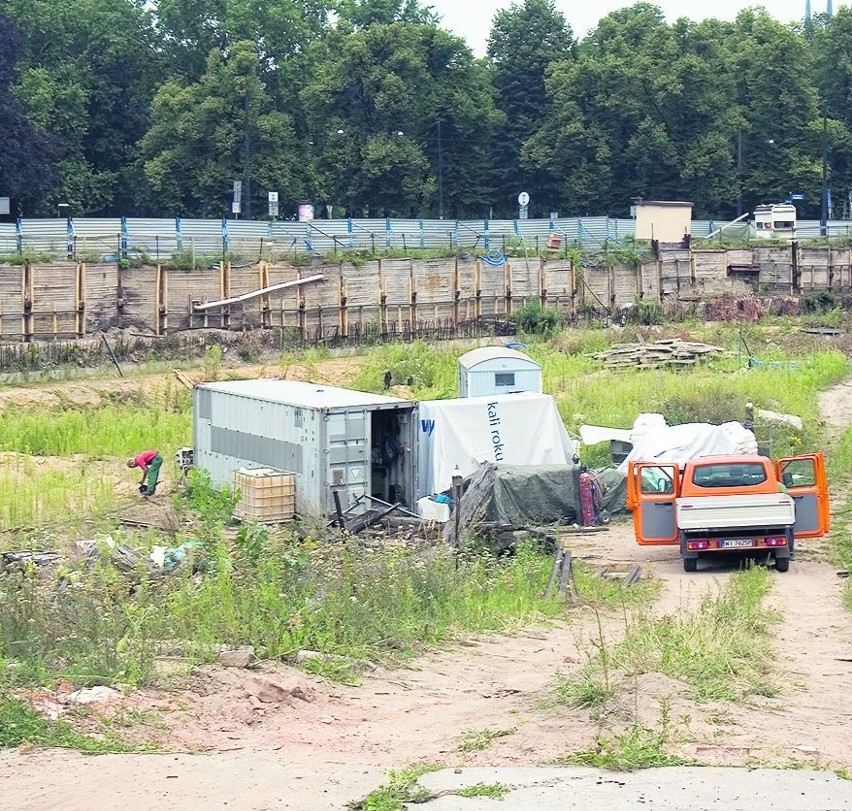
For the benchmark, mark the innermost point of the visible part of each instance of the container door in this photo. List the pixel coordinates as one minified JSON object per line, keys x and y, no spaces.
{"x":652,"y":489}
{"x":805,"y":480}
{"x":348,"y":455}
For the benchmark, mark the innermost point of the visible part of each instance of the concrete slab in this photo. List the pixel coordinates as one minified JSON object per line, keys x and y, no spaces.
{"x":675,"y":789}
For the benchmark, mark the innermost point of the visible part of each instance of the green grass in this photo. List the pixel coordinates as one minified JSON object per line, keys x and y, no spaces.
{"x":32,"y":494}
{"x":20,"y":724}
{"x":493,"y":791}
{"x":639,"y":747}
{"x":721,"y":650}
{"x":477,"y":740}
{"x":107,"y":430}
{"x":401,"y":788}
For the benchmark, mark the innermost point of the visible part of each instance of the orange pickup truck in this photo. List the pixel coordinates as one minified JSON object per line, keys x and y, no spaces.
{"x":744,"y":504}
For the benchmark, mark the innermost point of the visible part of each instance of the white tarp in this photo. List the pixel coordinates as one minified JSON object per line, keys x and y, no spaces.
{"x":509,"y":429}
{"x":679,"y":443}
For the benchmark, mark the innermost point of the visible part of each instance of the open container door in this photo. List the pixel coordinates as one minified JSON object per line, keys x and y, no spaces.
{"x":806,"y":482}
{"x":652,"y":490}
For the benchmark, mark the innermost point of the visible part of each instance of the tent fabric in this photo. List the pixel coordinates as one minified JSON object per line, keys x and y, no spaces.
{"x":505,"y":429}
{"x":533,"y":495}
{"x":680,"y":443}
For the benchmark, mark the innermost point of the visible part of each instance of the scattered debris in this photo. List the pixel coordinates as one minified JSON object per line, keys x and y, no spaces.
{"x":242,"y":656}
{"x":27,"y":557}
{"x":563,"y":573}
{"x":470,"y":505}
{"x":663,"y":352}
{"x":781,"y":419}
{"x":269,"y":690}
{"x":93,"y":695}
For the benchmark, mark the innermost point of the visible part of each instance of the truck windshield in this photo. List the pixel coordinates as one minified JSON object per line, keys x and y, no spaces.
{"x":734,"y":474}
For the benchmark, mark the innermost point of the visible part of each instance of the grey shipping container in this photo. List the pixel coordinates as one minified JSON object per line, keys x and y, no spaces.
{"x":331,"y":438}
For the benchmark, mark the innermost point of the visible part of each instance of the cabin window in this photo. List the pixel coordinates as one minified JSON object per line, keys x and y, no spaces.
{"x":798,"y":473}
{"x":506,"y":379}
{"x":784,"y":223}
{"x":735,"y":474}
{"x":657,"y":480}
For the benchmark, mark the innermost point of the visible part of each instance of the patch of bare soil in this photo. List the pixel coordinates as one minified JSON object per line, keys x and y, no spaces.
{"x":89,"y":393}
{"x":490,"y":701}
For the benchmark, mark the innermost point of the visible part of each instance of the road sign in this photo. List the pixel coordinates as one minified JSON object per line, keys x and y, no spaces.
{"x":273,"y":197}
{"x":238,"y":191}
{"x":523,"y":199}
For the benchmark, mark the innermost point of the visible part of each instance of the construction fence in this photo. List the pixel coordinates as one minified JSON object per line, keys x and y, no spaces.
{"x":388,"y":297}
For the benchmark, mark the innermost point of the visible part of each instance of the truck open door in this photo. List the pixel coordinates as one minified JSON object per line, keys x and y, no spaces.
{"x":806,"y":482}
{"x":652,"y":488}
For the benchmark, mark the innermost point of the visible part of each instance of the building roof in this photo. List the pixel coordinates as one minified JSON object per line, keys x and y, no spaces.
{"x":477,"y":356}
{"x":297,"y":393}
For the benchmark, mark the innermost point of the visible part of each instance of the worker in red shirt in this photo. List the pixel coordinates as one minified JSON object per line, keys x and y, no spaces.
{"x":149,"y":462}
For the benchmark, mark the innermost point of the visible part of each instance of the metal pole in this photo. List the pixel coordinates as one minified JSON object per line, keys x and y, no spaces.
{"x":823,"y":217}
{"x":739,"y":172}
{"x":440,"y":174}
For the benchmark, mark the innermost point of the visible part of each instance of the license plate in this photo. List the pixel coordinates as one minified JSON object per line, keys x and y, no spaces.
{"x":735,"y":543}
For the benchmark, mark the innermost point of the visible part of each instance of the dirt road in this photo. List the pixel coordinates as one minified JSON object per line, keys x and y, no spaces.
{"x":486,"y":703}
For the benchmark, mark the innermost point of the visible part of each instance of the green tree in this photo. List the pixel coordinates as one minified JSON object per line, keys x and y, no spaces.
{"x":224,"y":126}
{"x":27,"y":156}
{"x":781,"y":124}
{"x":373,"y":108}
{"x":832,"y":50}
{"x":88,"y":71}
{"x":364,"y":13}
{"x":525,"y":40}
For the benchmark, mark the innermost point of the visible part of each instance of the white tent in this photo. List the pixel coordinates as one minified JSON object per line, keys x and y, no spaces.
{"x":511,"y":429}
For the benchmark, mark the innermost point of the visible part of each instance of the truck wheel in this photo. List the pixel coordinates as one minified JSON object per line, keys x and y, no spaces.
{"x":782,"y":564}
{"x":690,"y":564}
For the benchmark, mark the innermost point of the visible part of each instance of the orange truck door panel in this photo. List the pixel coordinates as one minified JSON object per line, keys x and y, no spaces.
{"x":653,"y":488}
{"x":805,"y":480}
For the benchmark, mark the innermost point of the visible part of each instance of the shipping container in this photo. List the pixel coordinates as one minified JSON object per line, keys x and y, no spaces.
{"x":492,"y":370}
{"x":330,"y":438}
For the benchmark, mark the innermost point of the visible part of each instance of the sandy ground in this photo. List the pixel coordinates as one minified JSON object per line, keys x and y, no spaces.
{"x":321,"y":744}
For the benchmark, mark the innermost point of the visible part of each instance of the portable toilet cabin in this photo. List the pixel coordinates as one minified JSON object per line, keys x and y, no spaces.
{"x":775,"y":221}
{"x":493,"y":370}
{"x":359,"y":444}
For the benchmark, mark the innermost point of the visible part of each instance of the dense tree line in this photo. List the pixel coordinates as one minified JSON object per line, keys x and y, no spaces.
{"x":371,"y":108}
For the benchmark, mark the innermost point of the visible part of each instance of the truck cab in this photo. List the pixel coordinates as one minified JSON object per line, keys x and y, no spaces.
{"x":727,"y":503}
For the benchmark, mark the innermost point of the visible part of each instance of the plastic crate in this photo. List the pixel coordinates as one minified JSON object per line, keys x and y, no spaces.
{"x":266,"y":494}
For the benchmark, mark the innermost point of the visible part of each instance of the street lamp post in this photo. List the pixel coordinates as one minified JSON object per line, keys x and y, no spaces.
{"x":823,"y":215}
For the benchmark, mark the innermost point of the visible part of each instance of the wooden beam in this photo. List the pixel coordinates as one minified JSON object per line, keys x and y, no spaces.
{"x":254,"y":293}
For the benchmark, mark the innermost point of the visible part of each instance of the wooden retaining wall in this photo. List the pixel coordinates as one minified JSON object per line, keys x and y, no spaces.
{"x":72,"y":300}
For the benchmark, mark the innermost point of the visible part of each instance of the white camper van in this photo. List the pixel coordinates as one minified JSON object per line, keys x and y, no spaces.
{"x":775,"y":221}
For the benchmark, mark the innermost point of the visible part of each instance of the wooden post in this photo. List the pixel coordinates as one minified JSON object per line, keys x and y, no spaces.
{"x":158,"y":291}
{"x":163,"y":312}
{"x":263,"y":279}
{"x":225,"y":290}
{"x":27,"y":295}
{"x":456,"y":293}
{"x":412,"y":299}
{"x":80,"y":287}
{"x":542,"y":282}
{"x":55,"y":321}
{"x":610,"y":283}
{"x":343,"y":321}
{"x":830,"y":269}
{"x":477,"y":290}
{"x":507,"y":268}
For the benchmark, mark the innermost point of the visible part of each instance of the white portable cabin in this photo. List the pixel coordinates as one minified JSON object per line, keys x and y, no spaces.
{"x":330,"y":438}
{"x":492,"y":370}
{"x":775,"y":221}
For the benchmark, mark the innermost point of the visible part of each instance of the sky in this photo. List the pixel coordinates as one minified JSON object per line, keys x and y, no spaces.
{"x":471,"y":19}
